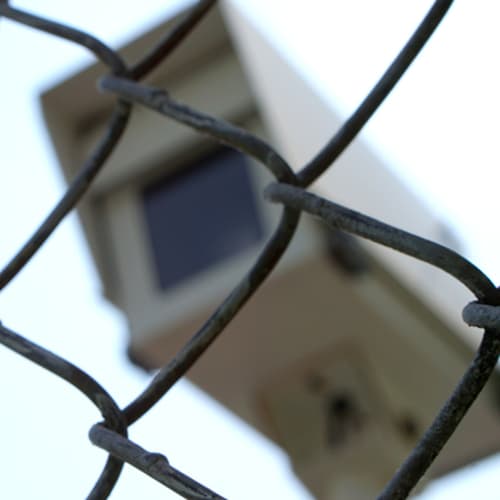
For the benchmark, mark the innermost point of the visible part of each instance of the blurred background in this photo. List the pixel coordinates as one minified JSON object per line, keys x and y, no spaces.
{"x":437,"y":130}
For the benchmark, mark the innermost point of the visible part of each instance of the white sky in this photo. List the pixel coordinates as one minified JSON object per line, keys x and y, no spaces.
{"x":438,"y":129}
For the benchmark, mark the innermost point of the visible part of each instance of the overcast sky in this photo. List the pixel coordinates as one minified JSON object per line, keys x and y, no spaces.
{"x":438,"y":131}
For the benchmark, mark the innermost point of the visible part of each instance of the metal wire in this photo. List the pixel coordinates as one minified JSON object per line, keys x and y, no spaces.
{"x":111,"y":434}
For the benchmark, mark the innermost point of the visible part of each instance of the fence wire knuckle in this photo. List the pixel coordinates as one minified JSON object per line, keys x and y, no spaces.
{"x":288,"y":190}
{"x":154,"y":465}
{"x":340,"y":217}
{"x":482,"y":316}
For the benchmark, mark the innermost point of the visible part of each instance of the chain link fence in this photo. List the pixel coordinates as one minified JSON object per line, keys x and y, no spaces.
{"x":289,"y":190}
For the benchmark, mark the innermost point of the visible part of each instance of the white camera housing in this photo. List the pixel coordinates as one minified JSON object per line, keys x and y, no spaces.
{"x":344,"y":355}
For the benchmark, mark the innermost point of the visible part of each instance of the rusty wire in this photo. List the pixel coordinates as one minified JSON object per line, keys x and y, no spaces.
{"x":111,"y":434}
